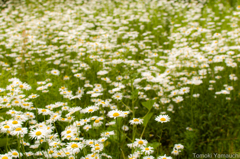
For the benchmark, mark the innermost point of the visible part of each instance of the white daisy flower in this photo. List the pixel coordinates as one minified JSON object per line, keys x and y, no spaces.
{"x":162,"y":118}
{"x":136,"y":121}
{"x":147,"y":150}
{"x":164,"y":157}
{"x":115,"y":113}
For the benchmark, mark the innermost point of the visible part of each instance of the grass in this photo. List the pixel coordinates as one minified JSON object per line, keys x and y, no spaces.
{"x":173,"y":58}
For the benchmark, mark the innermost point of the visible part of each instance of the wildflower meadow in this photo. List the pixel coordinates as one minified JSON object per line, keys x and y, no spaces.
{"x":119,"y":79}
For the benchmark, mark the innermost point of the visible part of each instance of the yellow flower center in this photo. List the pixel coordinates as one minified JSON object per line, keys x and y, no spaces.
{"x":38,"y":133}
{"x":18,"y":129}
{"x":116,"y":114}
{"x":74,"y":146}
{"x":140,"y":142}
{"x":163,"y":119}
{"x":50,"y":152}
{"x":44,"y":110}
{"x":15,"y":154}
{"x":97,"y":121}
{"x":69,"y":131}
{"x":6,"y":127}
{"x":4,"y":157}
{"x":97,"y":148}
{"x":146,"y":148}
{"x":90,"y":110}
{"x":135,"y":120}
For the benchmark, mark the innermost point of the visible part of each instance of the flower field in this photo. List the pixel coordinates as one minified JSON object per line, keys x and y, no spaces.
{"x":119,"y":79}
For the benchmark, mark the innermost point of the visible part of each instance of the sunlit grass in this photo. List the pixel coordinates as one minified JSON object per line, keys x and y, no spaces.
{"x":119,"y":79}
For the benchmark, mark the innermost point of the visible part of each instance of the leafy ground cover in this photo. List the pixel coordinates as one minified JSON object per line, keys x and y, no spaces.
{"x":122,"y":79}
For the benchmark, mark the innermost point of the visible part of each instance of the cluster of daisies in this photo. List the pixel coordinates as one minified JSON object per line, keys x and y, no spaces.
{"x":95,"y":54}
{"x":24,"y":122}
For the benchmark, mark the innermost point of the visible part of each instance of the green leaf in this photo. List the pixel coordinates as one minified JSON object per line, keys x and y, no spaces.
{"x":4,"y":116}
{"x":134,"y":75}
{"x":119,"y":121}
{"x":147,"y":118}
{"x":209,"y":116}
{"x":134,"y":94}
{"x":148,"y":104}
{"x":154,"y":144}
{"x":3,"y":141}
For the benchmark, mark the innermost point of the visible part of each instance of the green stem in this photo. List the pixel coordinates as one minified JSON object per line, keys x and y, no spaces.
{"x":119,"y":138}
{"x":145,"y":125}
{"x":133,"y":103}
{"x":192,"y":105}
{"x":126,"y":106}
{"x":7,"y":142}
{"x":143,"y":131}
{"x":133,"y":137}
{"x":161,"y":133}
{"x":160,"y":136}
{"x":18,"y":141}
{"x":128,"y":137}
{"x":123,"y":154}
{"x":23,"y":149}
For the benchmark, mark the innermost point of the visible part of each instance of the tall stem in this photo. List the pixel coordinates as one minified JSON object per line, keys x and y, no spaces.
{"x":119,"y":138}
{"x":192,"y":105}
{"x":7,"y":142}
{"x":133,"y":137}
{"x":18,"y":141}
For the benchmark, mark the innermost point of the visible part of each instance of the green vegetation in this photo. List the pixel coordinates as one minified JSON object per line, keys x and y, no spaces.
{"x":119,"y":79}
